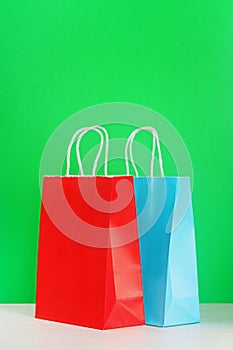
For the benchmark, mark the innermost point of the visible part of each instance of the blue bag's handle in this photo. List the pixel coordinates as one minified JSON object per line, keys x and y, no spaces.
{"x":129,"y":144}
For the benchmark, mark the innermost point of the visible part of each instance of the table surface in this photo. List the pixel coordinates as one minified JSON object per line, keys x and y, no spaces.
{"x":20,"y":330}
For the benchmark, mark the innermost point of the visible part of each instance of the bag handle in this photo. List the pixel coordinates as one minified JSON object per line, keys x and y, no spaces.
{"x":129,"y":145}
{"x":81,"y":132}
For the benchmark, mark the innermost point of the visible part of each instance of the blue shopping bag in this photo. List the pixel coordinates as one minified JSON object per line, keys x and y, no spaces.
{"x":167,"y":245}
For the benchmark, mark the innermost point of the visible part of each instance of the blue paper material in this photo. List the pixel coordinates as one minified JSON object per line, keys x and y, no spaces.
{"x":168,"y":252}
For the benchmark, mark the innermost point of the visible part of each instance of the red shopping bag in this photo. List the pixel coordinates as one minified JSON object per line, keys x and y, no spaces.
{"x":89,"y":271}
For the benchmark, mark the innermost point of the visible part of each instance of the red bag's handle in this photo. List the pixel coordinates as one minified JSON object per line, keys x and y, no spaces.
{"x":81,"y":132}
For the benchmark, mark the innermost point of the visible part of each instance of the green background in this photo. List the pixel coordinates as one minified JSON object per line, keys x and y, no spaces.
{"x":58,"y":57}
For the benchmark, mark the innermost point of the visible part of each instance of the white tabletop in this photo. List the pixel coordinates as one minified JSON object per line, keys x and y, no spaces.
{"x":20,"y":330}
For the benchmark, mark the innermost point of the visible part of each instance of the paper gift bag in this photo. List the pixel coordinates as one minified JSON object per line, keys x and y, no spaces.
{"x":167,"y":244}
{"x":87,"y":275}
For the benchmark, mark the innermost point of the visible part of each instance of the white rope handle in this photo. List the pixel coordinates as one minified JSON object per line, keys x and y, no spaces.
{"x":81,"y":132}
{"x":95,"y":128}
{"x":129,"y":144}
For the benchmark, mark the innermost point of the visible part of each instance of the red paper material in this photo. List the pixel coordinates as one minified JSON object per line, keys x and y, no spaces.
{"x":88,"y":285}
